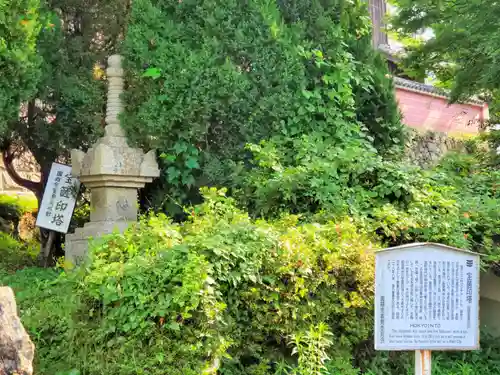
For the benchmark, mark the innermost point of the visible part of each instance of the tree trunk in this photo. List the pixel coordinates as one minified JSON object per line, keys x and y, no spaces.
{"x":38,"y":189}
{"x":44,"y":158}
{"x":8,"y":160}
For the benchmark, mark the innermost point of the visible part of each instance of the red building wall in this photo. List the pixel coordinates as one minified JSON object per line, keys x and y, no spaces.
{"x":427,"y":111}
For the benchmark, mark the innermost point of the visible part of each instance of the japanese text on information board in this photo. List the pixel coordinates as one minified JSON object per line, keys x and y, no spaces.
{"x":59,"y":199}
{"x":426,"y":299}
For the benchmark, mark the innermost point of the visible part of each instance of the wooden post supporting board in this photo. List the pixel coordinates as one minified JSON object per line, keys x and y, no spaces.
{"x":47,"y":251}
{"x":423,"y":362}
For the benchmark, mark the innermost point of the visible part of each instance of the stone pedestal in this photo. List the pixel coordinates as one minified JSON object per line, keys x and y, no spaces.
{"x":113,"y":172}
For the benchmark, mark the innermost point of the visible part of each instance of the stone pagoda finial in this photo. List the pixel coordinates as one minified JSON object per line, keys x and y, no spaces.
{"x":112,"y":170}
{"x":115,"y":89}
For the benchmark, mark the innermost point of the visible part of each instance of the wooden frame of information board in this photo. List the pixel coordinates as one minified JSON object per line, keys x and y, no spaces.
{"x":426,"y":298}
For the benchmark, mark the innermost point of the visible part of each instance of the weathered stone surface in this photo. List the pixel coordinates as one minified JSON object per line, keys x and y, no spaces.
{"x":433,"y":147}
{"x":16,"y":348}
{"x":426,"y":149}
{"x":113,"y":171}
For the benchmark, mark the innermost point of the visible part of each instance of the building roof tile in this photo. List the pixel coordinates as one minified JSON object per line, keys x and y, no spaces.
{"x":429,"y":89}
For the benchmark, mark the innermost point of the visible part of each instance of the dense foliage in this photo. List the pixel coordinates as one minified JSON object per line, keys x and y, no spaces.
{"x":14,"y":206}
{"x":224,"y":293}
{"x":52,"y":89}
{"x":452,"y":203}
{"x":20,"y":25}
{"x":287,"y":105}
{"x":217,"y":75}
{"x":53,"y":79}
{"x":15,"y":255}
{"x":463,"y":52}
{"x":220,"y":291}
{"x":65,"y":108}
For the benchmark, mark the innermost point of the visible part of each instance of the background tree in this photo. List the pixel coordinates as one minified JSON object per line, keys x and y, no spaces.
{"x":20,"y":25}
{"x":65,"y":107}
{"x":206,"y":79}
{"x":463,"y":53}
{"x":54,"y":61}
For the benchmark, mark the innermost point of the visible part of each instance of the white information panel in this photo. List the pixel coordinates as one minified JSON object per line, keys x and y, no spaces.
{"x":59,"y":199}
{"x":426,"y":298}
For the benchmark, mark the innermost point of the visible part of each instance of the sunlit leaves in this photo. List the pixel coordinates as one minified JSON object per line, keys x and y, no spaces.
{"x":464,"y":50}
{"x":221,"y":74}
{"x":154,"y":73}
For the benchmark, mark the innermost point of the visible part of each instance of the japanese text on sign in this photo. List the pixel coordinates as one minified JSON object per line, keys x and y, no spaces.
{"x":426,"y":298}
{"x":59,"y":199}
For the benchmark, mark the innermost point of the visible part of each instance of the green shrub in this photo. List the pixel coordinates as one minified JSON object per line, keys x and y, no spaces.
{"x":15,"y":212}
{"x":42,"y":302}
{"x":314,"y":174}
{"x":45,"y":302}
{"x":215,"y":76}
{"x":17,"y":220}
{"x":12,"y":207}
{"x":15,"y":255}
{"x":22,"y":203}
{"x":476,"y":191}
{"x":454,"y":203}
{"x":220,"y":291}
{"x":483,"y":361}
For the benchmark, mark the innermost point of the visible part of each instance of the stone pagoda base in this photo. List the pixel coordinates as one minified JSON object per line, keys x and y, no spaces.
{"x":77,"y":244}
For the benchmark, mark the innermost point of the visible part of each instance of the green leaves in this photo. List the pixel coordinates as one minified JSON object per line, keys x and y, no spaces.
{"x":181,"y":165}
{"x":217,"y":286}
{"x":168,"y":157}
{"x":154,"y":73}
{"x":191,"y":163}
{"x":463,"y":50}
{"x":218,"y":80}
{"x":20,"y":22}
{"x":173,"y":173}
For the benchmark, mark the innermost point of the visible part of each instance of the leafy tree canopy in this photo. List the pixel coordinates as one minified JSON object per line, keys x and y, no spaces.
{"x":207,"y":78}
{"x":20,"y":24}
{"x":51,"y":59}
{"x":464,"y":50}
{"x":52,"y":88}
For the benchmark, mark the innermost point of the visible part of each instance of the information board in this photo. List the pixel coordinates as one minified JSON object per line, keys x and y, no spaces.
{"x":59,"y":199}
{"x":426,"y":298}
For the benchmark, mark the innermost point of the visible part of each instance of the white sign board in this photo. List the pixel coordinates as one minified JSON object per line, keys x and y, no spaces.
{"x":59,"y":199}
{"x":426,"y":298}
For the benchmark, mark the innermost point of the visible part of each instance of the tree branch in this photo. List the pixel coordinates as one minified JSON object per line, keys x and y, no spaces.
{"x":8,"y":158}
{"x":9,"y":154}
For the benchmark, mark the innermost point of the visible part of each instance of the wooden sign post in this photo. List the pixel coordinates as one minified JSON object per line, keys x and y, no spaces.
{"x":426,"y":299}
{"x":423,"y":362}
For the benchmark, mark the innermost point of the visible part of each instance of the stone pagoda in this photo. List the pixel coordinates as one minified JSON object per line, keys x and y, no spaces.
{"x":112,"y":171}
